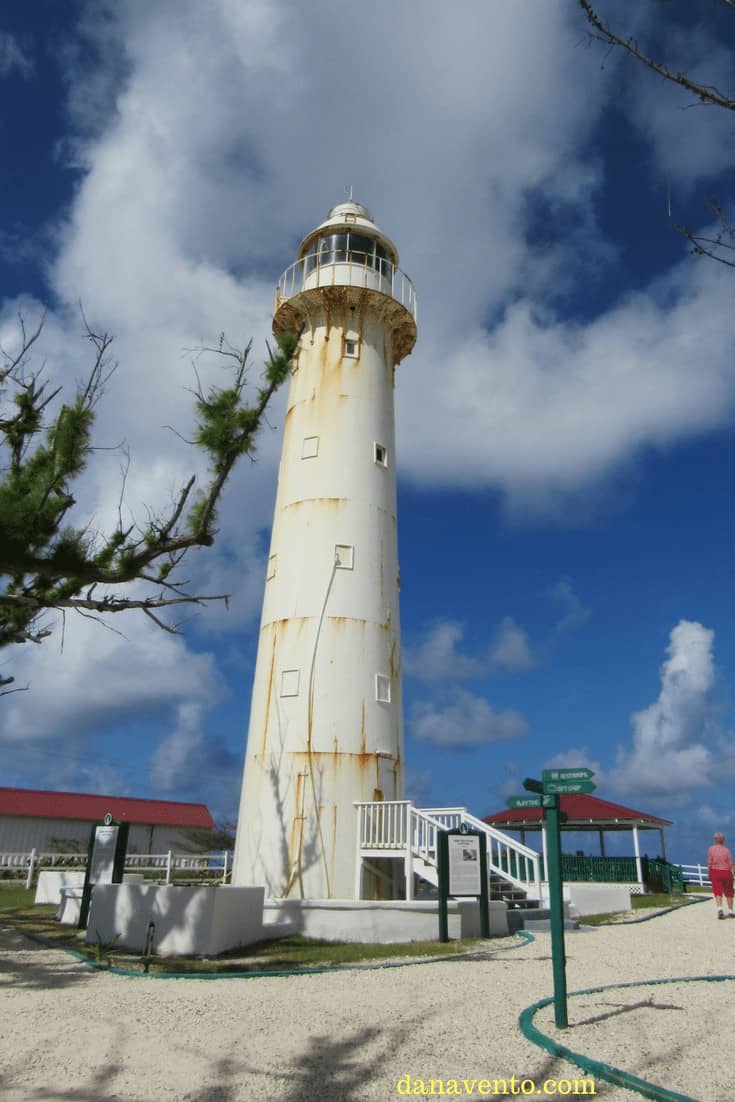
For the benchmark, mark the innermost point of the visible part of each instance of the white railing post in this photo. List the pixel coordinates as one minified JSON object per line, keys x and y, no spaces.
{"x":31,"y":863}
{"x":169,"y":857}
{"x":359,"y":838}
{"x":408,"y":867}
{"x":225,"y":855}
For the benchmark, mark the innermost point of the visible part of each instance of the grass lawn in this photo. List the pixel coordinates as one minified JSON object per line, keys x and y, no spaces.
{"x":17,"y":910}
{"x":654,"y":901}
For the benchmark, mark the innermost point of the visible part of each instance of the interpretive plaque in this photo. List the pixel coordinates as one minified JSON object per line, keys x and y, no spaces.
{"x":103,"y":854}
{"x":465,"y":869}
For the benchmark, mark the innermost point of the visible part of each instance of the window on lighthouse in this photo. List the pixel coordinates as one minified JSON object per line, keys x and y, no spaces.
{"x":380,"y":454}
{"x":344,"y":556}
{"x":310,"y":447}
{"x":289,"y":682}
{"x":382,"y":688}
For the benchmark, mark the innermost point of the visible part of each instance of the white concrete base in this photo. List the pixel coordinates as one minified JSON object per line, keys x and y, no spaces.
{"x":51,"y":881}
{"x":381,"y":923}
{"x":587,"y":898}
{"x":70,"y":906}
{"x":189,"y":921}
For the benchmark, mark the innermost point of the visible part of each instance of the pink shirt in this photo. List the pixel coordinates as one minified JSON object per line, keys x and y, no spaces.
{"x":719,"y":857}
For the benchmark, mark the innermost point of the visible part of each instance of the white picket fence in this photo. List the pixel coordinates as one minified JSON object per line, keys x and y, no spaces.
{"x":164,"y":867}
{"x":696,"y":874}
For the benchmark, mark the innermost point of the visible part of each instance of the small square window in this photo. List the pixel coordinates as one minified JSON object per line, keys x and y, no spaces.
{"x":289,"y":682}
{"x":351,"y":348}
{"x":382,"y":688}
{"x":310,"y":447}
{"x":344,"y":556}
{"x":350,"y":218}
{"x":271,"y":572}
{"x":380,"y":454}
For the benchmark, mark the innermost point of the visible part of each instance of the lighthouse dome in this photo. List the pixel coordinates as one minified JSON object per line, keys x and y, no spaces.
{"x":351,"y":207}
{"x":350,"y":217}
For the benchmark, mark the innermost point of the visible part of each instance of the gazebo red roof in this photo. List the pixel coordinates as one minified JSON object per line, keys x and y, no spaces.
{"x":35,"y":804}
{"x":582,"y":811}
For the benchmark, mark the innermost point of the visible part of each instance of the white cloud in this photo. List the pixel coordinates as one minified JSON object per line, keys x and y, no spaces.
{"x":466,"y":721}
{"x":546,"y":409}
{"x":13,"y":58}
{"x":670,"y":747}
{"x":574,"y":614}
{"x":439,"y":657}
{"x":101,"y":680}
{"x":510,"y":650}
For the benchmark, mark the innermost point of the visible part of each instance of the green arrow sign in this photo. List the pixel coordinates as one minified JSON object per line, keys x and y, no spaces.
{"x":523,"y":801}
{"x":573,"y":788}
{"x":567,"y":775}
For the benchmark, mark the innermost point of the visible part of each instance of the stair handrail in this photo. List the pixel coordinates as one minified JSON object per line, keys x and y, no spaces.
{"x":424,"y":831}
{"x":527,"y":859}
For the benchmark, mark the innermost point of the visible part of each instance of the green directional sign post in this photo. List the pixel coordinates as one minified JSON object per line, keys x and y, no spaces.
{"x":523,"y":801}
{"x":568,"y":788}
{"x":556,"y":783}
{"x":566,"y":775}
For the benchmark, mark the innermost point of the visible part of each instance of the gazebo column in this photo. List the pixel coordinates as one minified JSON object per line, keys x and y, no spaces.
{"x":602,"y":843}
{"x":663,"y":843}
{"x":637,"y":851}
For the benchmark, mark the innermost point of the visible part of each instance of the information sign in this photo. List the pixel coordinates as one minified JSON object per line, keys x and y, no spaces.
{"x":465,"y":870}
{"x":523,"y":801}
{"x":103,"y":854}
{"x":562,"y":788}
{"x":566,"y":775}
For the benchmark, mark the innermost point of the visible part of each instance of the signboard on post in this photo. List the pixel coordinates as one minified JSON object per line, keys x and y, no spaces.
{"x":523,"y":801}
{"x":568,"y":788}
{"x":462,"y":871}
{"x":108,"y":844}
{"x":103,"y":854}
{"x":566,"y":775}
{"x":465,"y":872}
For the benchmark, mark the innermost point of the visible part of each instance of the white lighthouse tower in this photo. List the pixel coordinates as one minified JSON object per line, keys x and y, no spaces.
{"x":325,"y":721}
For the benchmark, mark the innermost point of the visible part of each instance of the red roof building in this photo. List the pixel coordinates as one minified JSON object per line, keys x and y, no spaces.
{"x":584,"y":813}
{"x":48,"y":821}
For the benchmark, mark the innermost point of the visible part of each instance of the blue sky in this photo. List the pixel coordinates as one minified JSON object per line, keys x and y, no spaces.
{"x":564,"y":425}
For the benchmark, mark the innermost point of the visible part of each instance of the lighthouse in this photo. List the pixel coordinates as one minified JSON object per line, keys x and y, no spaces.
{"x":325,"y":722}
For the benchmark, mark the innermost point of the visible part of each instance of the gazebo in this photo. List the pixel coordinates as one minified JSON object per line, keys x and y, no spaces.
{"x":588,"y":814}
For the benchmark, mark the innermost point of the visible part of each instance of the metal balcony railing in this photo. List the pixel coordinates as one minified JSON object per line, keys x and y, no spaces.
{"x":356,"y":270}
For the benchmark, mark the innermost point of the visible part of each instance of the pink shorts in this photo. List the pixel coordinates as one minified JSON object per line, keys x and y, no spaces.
{"x":721,"y":880}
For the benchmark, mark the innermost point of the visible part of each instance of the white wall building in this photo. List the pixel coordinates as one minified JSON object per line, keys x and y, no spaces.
{"x":325,"y":723}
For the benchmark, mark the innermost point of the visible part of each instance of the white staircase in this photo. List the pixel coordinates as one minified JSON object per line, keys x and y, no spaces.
{"x":395,"y":830}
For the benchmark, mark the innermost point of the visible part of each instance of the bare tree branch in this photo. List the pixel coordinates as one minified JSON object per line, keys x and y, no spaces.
{"x":707,"y":94}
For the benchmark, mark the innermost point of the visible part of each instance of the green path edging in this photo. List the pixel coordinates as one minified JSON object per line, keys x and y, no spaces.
{"x":97,"y":967}
{"x":594,"y":1067}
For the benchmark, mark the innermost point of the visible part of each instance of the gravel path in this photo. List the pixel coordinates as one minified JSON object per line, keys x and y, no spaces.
{"x":68,"y":1032}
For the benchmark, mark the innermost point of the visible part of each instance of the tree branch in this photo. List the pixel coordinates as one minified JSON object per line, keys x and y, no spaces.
{"x":705,"y":93}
